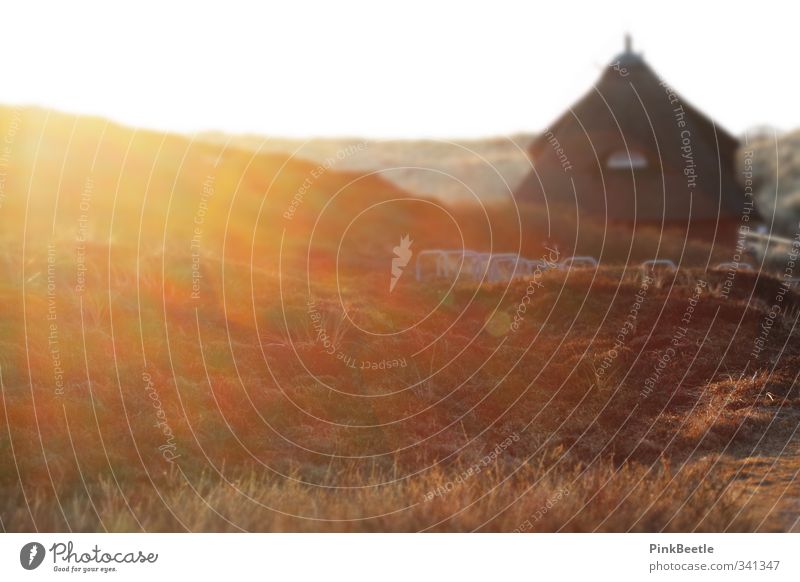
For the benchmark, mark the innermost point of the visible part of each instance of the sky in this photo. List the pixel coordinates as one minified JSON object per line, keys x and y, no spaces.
{"x":391,"y":69}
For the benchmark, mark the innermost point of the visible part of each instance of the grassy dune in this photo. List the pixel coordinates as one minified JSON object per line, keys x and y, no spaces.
{"x":253,"y":370}
{"x":517,"y":422}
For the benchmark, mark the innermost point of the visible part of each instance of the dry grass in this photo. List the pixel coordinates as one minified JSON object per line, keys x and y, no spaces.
{"x":530,"y":498}
{"x":627,"y":462}
{"x":163,"y":393}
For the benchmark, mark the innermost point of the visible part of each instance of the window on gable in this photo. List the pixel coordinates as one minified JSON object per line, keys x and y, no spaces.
{"x":623,"y":160}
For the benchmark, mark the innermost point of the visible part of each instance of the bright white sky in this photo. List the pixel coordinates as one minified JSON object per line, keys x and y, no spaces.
{"x":388,"y":69}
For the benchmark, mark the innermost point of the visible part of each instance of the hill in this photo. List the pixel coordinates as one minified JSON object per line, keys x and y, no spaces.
{"x":203,"y":337}
{"x":289,"y":420}
{"x":454,"y":171}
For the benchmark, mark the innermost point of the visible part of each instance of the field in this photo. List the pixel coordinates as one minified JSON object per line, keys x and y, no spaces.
{"x":202,"y":338}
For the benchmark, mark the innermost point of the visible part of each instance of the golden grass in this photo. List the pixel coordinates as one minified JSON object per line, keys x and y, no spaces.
{"x":589,"y":453}
{"x":601,"y":497}
{"x":163,"y":392}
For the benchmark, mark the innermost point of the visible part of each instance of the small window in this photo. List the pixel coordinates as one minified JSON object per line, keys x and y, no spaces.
{"x":622,"y":160}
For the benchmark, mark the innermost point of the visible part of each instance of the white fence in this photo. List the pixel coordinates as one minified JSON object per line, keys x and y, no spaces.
{"x":489,"y":267}
{"x":477,"y":267}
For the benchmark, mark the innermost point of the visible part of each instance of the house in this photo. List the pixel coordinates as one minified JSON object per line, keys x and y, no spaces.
{"x":632,"y":151}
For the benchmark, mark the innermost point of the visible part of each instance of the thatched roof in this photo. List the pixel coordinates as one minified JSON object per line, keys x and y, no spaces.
{"x":635,"y":150}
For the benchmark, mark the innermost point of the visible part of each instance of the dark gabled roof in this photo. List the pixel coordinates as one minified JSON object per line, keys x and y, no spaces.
{"x":630,"y":111}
